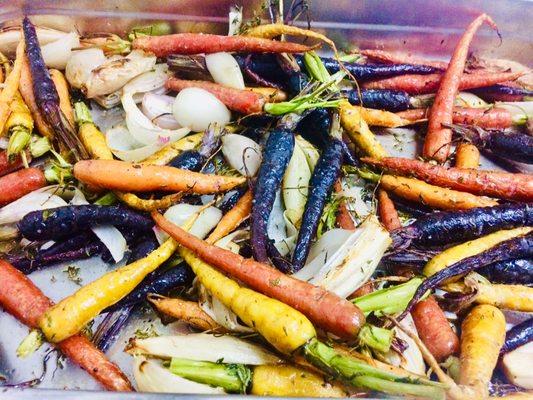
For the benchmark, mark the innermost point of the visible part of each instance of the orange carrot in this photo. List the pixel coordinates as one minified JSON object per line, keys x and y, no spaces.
{"x":492,"y":118}
{"x":387,"y":211}
{"x":62,"y":87}
{"x":125,"y":176}
{"x":434,"y":329}
{"x":322,"y":307}
{"x":388,"y":57}
{"x":242,"y":101}
{"x":233,"y":218}
{"x":489,"y":183}
{"x":343,"y":219}
{"x":424,"y":84}
{"x":466,"y":156}
{"x":438,"y":137}
{"x":22,"y":299}
{"x":196,"y":43}
{"x":17,"y":184}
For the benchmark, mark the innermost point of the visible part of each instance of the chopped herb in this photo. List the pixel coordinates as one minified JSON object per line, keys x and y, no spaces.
{"x":73,"y":274}
{"x":146,"y":332}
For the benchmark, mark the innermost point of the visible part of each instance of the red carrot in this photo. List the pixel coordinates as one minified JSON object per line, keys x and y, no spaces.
{"x":387,"y":211}
{"x":424,"y":84}
{"x":22,"y":299}
{"x":492,"y":118}
{"x":242,"y":101}
{"x":490,"y":183}
{"x":388,"y":57}
{"x":197,"y":43}
{"x":438,"y":137}
{"x":17,"y":184}
{"x":343,"y":219}
{"x":322,"y":307}
{"x":434,"y":329}
{"x":7,"y":166}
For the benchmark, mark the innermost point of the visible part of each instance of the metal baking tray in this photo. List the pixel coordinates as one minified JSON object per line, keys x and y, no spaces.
{"x":418,"y":26}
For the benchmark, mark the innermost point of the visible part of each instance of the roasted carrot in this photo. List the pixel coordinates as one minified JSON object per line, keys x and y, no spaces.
{"x":343,"y":219}
{"x":382,"y":118}
{"x":483,"y":335}
{"x":438,"y":137}
{"x":509,"y":297}
{"x":137,"y":203}
{"x":240,"y":100}
{"x":168,"y":152}
{"x":388,"y":57}
{"x":7,"y":165}
{"x":196,"y":43}
{"x":26,"y":90}
{"x":491,"y":118}
{"x":489,"y":183}
{"x":424,"y":84}
{"x":22,"y":299}
{"x":328,"y":311}
{"x":434,"y":329}
{"x":62,"y":88}
{"x":93,"y":140}
{"x":467,"y":156}
{"x":272,"y":95}
{"x":126,"y":176}
{"x":11,"y":86}
{"x":387,"y":211}
{"x":271,"y":31}
{"x":233,"y":218}
{"x":17,"y":184}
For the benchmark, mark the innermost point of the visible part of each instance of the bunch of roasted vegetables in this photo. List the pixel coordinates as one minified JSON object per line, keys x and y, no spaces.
{"x":238,"y":184}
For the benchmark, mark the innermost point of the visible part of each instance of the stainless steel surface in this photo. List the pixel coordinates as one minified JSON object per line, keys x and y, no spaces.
{"x":416,"y":25}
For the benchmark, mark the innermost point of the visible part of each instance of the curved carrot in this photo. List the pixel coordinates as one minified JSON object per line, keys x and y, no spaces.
{"x":388,"y":57}
{"x":322,"y":307}
{"x":434,"y":329}
{"x":438,"y":138}
{"x":233,"y":218}
{"x":387,"y":212}
{"x":492,"y":118}
{"x":343,"y":219}
{"x":425,"y":84}
{"x":17,"y":184}
{"x":196,"y":43}
{"x":7,"y":166}
{"x":62,"y":87}
{"x":490,"y":183}
{"x":11,"y":86}
{"x":242,"y":101}
{"x":137,"y":203}
{"x":124,"y":176}
{"x":22,"y":299}
{"x":467,"y":156}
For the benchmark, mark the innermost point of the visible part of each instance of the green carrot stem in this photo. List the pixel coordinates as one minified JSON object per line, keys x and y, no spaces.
{"x":375,"y":337}
{"x":18,"y":141}
{"x":399,"y":388}
{"x":107,"y":199}
{"x":82,"y":114}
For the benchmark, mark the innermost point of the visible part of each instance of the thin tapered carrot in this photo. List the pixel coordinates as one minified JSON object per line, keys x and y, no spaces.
{"x":382,"y":118}
{"x":61,"y":84}
{"x":134,"y":201}
{"x":271,"y":31}
{"x":322,"y":307}
{"x":425,"y":84}
{"x":171,"y":150}
{"x":11,"y":86}
{"x":488,"y":183}
{"x":467,"y":156}
{"x":388,"y":57}
{"x":491,"y":118}
{"x":343,"y":219}
{"x":22,"y":299}
{"x":26,"y":90}
{"x":125,"y":176}
{"x":438,"y":137}
{"x":196,"y":43}
{"x":387,"y":211}
{"x":242,"y":101}
{"x":233,"y":218}
{"x":273,"y":95}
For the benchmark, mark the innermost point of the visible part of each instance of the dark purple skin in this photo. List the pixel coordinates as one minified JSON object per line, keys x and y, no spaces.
{"x":515,"y":146}
{"x":262,"y":69}
{"x":64,"y":221}
{"x":414,"y":209}
{"x":520,"y":247}
{"x":516,"y":272}
{"x":502,"y":93}
{"x":457,"y":226}
{"x":364,"y":72}
{"x":517,"y":336}
{"x":276,"y":156}
{"x":504,"y":163}
{"x":230,"y":199}
{"x":390,"y":100}
{"x":412,"y":256}
{"x":46,"y":96}
{"x":190,"y":160}
{"x":325,"y":174}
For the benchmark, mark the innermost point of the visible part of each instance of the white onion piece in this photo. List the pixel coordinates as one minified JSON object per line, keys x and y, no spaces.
{"x":411,"y":359}
{"x":10,"y":37}
{"x":151,"y":376}
{"x":196,"y":109}
{"x":517,"y":366}
{"x":295,"y":185}
{"x":57,"y":54}
{"x":34,"y":201}
{"x":126,"y":148}
{"x":466,"y":99}
{"x":4,"y":142}
{"x":520,"y":111}
{"x":158,"y":109}
{"x":311,"y":153}
{"x":280,"y":229}
{"x":242,"y":153}
{"x":235,"y":20}
{"x":81,"y":63}
{"x":148,"y":81}
{"x":224,"y":70}
{"x":203,"y":347}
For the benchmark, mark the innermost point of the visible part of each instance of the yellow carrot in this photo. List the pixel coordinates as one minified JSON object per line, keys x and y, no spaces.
{"x":134,"y":201}
{"x":272,"y":95}
{"x":483,"y":335}
{"x":382,"y":118}
{"x":467,"y":156}
{"x":233,"y":218}
{"x":359,"y":132}
{"x":471,"y":248}
{"x":62,"y":88}
{"x":19,"y":126}
{"x":71,"y":314}
{"x":11,"y":86}
{"x":511,"y":297}
{"x":167,"y":153}
{"x":93,"y":140}
{"x":270,"y":31}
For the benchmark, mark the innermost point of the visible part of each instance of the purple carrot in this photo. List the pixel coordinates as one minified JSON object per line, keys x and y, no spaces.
{"x":518,"y":336}
{"x":503,"y":93}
